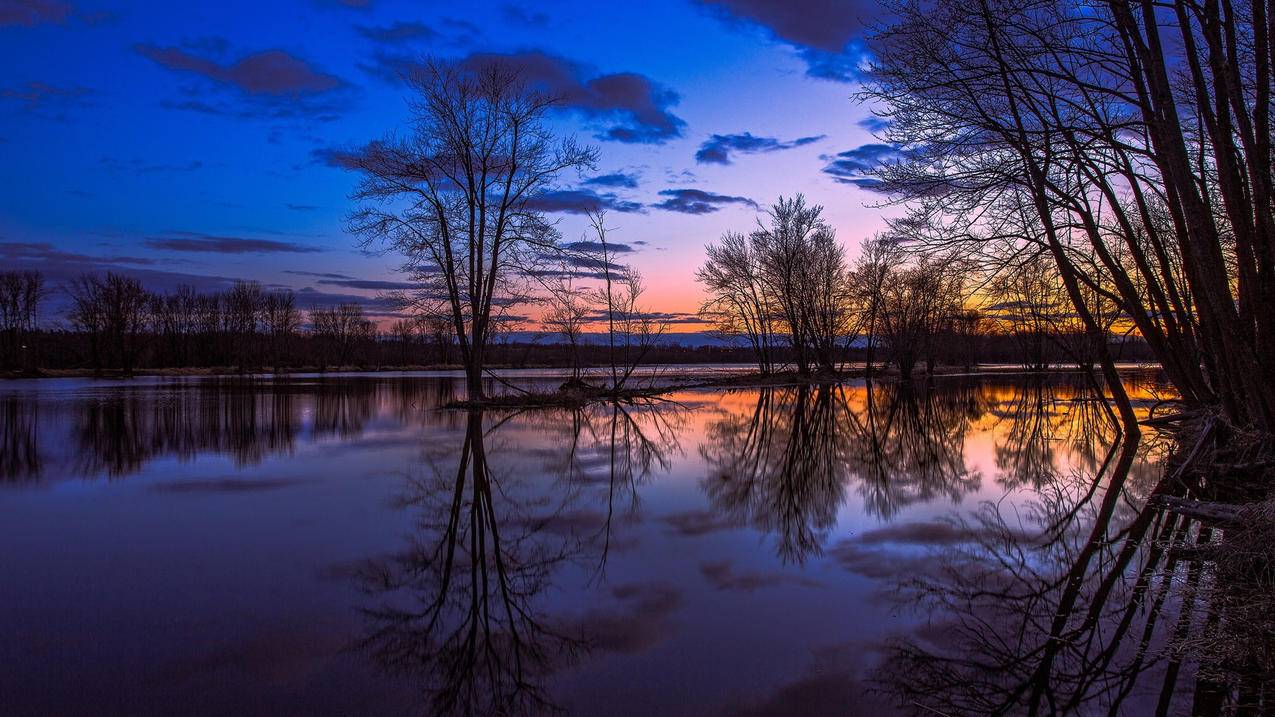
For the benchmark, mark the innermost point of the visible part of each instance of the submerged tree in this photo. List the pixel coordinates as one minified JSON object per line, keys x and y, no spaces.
{"x":454,"y":196}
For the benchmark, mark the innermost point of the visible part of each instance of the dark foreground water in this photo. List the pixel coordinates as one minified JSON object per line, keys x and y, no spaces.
{"x":340,"y":545}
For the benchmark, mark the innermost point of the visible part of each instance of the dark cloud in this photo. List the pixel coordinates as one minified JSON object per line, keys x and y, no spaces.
{"x":636,"y":108}
{"x":401,"y":45}
{"x":619,"y":180}
{"x":578,"y":266}
{"x":723,"y":576}
{"x":204,"y":243}
{"x":62,"y":267}
{"x":523,"y":17}
{"x":854,"y":165}
{"x":718,"y":148}
{"x":880,"y":564}
{"x":371,"y":284}
{"x":842,"y":67}
{"x":460,"y":32}
{"x":874,"y":124}
{"x":29,"y":13}
{"x":698,"y":201}
{"x":580,"y":201}
{"x":398,"y":32}
{"x":12,"y":252}
{"x":270,"y":72}
{"x":918,"y":533}
{"x":311,"y":298}
{"x":319,"y":274}
{"x":826,"y":34}
{"x":270,"y":84}
{"x":301,"y":207}
{"x":667,"y":317}
{"x":596,"y":247}
{"x":46,"y":100}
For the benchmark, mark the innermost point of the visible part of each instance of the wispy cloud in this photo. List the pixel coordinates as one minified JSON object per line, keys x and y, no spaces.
{"x":698,"y":201}
{"x":854,"y":166}
{"x":718,"y":148}
{"x":580,"y":201}
{"x":619,"y":180}
{"x":205,"y":243}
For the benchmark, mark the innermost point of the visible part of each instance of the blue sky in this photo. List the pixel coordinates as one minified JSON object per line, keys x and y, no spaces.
{"x":191,"y":142}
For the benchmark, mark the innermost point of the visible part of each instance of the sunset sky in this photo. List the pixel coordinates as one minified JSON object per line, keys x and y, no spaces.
{"x":193,"y":143}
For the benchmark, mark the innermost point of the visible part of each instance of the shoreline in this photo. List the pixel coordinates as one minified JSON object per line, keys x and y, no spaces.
{"x":736,"y":370}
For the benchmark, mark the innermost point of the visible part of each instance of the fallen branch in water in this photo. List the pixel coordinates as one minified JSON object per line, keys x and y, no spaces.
{"x":1201,"y":510}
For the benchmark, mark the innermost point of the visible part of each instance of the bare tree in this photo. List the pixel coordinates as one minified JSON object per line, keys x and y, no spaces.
{"x":280,"y":320}
{"x":113,"y":312}
{"x":243,"y":306}
{"x":632,"y":330}
{"x":877,"y":260}
{"x":737,"y":301}
{"x":1027,"y":300}
{"x":918,"y":304}
{"x":454,"y":197}
{"x":1128,"y":140}
{"x":342,"y":327}
{"x":20,"y":296}
{"x":567,"y":312}
{"x":788,"y":276}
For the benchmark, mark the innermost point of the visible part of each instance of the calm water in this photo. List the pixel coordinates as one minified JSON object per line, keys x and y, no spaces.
{"x":342,"y":545}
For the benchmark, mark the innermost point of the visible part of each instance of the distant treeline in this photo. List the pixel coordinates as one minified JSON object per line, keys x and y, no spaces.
{"x":114,"y":324}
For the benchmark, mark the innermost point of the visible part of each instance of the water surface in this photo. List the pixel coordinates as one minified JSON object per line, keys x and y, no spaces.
{"x":340,"y":544}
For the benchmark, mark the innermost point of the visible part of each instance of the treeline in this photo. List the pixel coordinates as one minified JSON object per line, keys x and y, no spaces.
{"x":114,"y":323}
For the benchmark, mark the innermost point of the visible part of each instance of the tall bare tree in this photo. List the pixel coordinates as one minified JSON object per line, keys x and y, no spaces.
{"x":455,"y":195}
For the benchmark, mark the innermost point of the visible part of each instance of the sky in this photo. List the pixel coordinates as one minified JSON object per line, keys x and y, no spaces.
{"x":200,"y":143}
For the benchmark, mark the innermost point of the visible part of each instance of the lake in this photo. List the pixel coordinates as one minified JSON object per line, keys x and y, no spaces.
{"x":341,"y":544}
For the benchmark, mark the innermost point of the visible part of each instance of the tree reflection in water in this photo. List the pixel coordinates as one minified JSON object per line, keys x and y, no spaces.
{"x":781,"y":468}
{"x":785,"y":467}
{"x":19,"y":450}
{"x":465,"y":620}
{"x":1082,"y":603}
{"x":910,"y":444}
{"x":461,"y":609}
